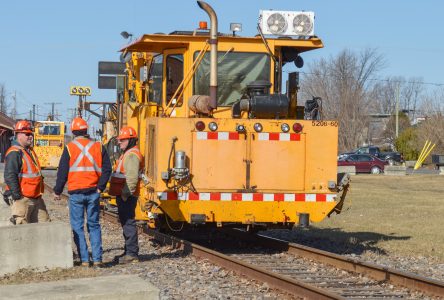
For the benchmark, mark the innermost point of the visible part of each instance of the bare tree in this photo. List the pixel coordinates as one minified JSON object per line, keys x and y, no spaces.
{"x":3,"y":101}
{"x":432,"y":129}
{"x":386,"y":91}
{"x":345,"y":84}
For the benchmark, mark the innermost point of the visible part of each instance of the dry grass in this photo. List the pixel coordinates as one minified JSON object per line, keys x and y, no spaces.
{"x":391,"y":214}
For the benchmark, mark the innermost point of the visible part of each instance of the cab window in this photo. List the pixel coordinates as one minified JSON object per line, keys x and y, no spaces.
{"x":235,"y":71}
{"x":174,"y":76}
{"x":155,"y":79}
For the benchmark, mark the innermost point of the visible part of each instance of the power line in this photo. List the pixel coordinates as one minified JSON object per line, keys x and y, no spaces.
{"x":375,"y":79}
{"x":53,"y":104}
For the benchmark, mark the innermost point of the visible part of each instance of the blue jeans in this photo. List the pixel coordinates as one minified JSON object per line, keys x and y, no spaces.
{"x":78,"y":203}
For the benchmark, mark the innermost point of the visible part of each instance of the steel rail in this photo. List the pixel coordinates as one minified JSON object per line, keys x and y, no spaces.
{"x":400,"y":278}
{"x":274,"y":280}
{"x":281,"y":282}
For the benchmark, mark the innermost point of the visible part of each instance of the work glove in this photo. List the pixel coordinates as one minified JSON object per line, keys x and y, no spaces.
{"x":16,"y":196}
{"x":126,"y":193}
{"x":7,"y":197}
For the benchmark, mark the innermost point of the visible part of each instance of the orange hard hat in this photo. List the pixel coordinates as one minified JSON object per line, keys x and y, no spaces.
{"x":78,"y":124}
{"x":127,"y":132}
{"x":23,"y":126}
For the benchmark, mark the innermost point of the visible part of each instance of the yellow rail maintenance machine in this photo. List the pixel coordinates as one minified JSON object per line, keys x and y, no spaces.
{"x":223,"y":146}
{"x":49,"y":141}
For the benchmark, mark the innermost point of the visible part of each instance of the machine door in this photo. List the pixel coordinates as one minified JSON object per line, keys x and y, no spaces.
{"x":277,"y":161}
{"x":218,"y":160}
{"x":173,"y":76}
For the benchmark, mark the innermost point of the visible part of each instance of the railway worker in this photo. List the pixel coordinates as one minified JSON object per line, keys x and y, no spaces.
{"x":23,"y":178}
{"x":86,"y":166}
{"x":124,"y":184}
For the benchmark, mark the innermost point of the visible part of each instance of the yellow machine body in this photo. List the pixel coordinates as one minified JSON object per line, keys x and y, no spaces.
{"x":49,"y":141}
{"x":236,"y":176}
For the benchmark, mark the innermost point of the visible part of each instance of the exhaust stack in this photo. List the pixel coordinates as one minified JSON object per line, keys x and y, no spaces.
{"x":213,"y":52}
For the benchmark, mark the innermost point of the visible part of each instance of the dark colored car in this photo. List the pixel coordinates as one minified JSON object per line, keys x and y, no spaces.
{"x":391,"y":157}
{"x":364,"y":163}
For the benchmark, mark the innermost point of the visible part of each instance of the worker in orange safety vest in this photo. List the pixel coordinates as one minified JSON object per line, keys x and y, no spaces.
{"x":124,"y":184}
{"x":23,"y":178}
{"x":86,"y":166}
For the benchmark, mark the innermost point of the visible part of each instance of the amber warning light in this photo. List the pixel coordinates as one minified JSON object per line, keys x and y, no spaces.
{"x":203,"y":25}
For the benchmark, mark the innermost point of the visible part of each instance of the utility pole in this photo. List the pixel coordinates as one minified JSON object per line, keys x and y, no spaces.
{"x":2,"y":99}
{"x":397,"y":111}
{"x":14,"y":107}
{"x":53,"y":104}
{"x":33,"y":112}
{"x":72,"y":113}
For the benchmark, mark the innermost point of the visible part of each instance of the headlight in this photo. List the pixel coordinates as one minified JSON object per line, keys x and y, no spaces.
{"x":285,"y":127}
{"x":240,"y":128}
{"x":212,"y":126}
{"x":258,"y":127}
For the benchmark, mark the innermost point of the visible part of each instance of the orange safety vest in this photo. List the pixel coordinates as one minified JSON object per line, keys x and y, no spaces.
{"x":118,"y":179}
{"x":30,"y":176}
{"x":85,"y":164}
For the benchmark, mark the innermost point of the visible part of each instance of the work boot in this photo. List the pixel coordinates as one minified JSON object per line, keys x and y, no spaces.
{"x":98,"y":264}
{"x":126,"y":259}
{"x":85,"y":264}
{"x":119,"y":256}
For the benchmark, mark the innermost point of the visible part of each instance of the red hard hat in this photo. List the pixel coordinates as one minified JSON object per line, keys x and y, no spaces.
{"x":23,"y":126}
{"x":78,"y":124}
{"x":127,"y":132}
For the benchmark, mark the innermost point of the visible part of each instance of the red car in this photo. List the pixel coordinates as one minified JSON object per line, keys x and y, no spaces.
{"x":364,"y":163}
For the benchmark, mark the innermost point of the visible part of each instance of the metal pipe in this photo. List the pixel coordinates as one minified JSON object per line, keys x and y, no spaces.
{"x":213,"y":51}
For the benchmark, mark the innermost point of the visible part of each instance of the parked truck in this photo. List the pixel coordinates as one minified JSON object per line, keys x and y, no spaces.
{"x":391,"y":157}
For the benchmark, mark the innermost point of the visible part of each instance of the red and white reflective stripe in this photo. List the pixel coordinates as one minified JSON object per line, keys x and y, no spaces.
{"x":221,"y":136}
{"x":246,"y":197}
{"x":276,"y":136}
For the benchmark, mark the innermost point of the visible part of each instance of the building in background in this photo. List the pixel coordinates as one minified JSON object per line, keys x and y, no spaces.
{"x":6,"y":133}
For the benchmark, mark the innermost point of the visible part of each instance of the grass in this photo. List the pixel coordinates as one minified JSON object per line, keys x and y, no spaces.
{"x":391,"y":214}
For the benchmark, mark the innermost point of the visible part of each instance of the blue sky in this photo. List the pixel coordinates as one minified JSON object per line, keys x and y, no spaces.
{"x":46,"y":46}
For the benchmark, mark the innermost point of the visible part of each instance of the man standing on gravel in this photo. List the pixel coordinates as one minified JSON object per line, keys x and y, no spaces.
{"x":23,"y":178}
{"x":124,"y":184}
{"x":85,"y":165}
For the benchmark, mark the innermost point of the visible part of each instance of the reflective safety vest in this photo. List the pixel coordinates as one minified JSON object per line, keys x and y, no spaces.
{"x":85,"y":164}
{"x":30,"y":176}
{"x":118,"y":179}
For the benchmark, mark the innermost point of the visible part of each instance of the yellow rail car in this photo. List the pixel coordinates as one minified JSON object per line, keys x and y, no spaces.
{"x":49,"y":141}
{"x":222,"y":144}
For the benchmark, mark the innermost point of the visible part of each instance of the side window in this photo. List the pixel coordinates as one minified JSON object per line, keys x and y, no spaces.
{"x":174,"y":76}
{"x":155,"y":80}
{"x":364,"y":158}
{"x":363,"y":150}
{"x":352,"y":157}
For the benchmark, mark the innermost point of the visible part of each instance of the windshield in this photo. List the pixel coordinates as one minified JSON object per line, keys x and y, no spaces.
{"x":49,"y":129}
{"x":235,"y":71}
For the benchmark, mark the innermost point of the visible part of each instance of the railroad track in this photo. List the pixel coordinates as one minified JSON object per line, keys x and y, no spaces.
{"x":305,"y":271}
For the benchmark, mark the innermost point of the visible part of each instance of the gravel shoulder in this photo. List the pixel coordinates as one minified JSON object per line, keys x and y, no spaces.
{"x":177,"y":275}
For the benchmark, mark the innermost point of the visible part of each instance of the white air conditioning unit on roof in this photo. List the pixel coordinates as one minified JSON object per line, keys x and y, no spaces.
{"x":287,"y":23}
